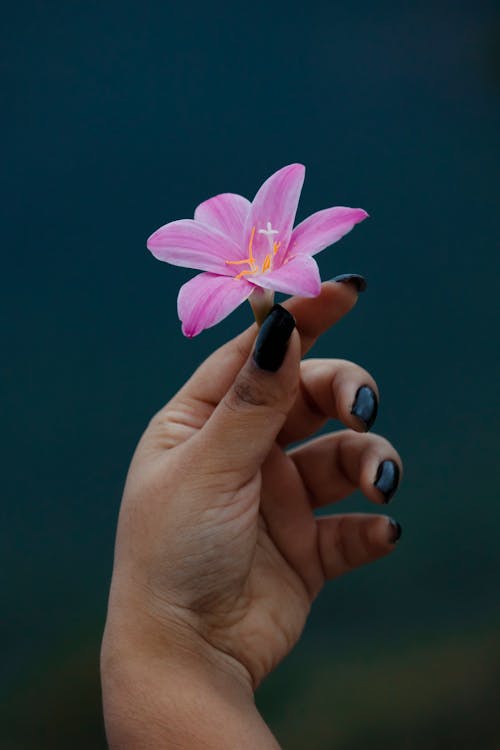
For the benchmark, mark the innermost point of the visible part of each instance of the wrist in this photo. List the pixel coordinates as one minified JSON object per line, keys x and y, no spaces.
{"x":163,"y":686}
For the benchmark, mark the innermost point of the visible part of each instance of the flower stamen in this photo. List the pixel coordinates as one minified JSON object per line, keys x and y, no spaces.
{"x":250,"y":245}
{"x":269,"y":231}
{"x":246,"y":273}
{"x":250,"y":260}
{"x":267,"y":264}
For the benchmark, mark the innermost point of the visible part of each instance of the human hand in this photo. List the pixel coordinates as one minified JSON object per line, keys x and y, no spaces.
{"x":219,"y":554}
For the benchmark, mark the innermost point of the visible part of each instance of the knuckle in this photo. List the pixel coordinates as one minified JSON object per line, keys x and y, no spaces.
{"x":249,"y":393}
{"x":242,"y":347}
{"x":380,"y":445}
{"x":352,"y":373}
{"x":244,"y":393}
{"x":345,"y":544}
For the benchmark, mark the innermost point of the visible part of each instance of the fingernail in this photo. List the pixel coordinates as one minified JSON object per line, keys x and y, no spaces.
{"x":273,"y":338}
{"x":353,"y":278}
{"x":387,"y":479}
{"x":395,"y":531}
{"x":365,"y":406}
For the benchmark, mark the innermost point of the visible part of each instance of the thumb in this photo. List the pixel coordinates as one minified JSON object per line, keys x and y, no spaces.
{"x":240,"y":432}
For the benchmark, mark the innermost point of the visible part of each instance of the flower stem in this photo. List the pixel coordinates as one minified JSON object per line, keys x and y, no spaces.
{"x":261,"y":301}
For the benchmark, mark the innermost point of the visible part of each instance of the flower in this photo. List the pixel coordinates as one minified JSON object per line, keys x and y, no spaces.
{"x":249,"y":250}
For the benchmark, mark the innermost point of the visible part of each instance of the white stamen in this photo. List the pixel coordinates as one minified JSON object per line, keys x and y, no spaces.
{"x":269,"y":231}
{"x":269,"y":234}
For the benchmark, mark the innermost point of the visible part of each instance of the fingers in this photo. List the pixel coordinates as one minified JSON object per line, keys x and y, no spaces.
{"x":240,"y":432}
{"x":331,"y":389}
{"x":334,"y":466}
{"x":348,"y":541}
{"x":313,"y":317}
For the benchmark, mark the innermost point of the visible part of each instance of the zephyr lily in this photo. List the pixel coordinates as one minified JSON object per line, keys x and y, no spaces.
{"x":249,"y":250}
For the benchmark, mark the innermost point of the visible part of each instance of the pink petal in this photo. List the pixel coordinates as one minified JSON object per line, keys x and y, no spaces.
{"x":227,"y":213}
{"x":276,"y":202}
{"x":324,"y":228}
{"x":300,"y":275}
{"x":207,"y":299}
{"x":193,"y":245}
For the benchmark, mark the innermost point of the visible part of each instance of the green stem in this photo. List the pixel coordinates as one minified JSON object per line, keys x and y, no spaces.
{"x":261,"y":301}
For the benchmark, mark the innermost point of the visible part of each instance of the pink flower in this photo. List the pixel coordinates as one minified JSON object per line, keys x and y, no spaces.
{"x":249,"y":250}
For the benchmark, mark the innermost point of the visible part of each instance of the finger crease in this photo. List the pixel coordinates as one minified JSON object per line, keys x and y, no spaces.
{"x":310,"y":403}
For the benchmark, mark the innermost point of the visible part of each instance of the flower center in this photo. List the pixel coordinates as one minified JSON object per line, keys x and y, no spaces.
{"x":269,"y":232}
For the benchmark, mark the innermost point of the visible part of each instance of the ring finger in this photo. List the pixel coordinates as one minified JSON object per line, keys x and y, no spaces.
{"x":334,"y":466}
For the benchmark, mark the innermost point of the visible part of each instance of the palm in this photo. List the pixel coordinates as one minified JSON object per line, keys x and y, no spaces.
{"x":270,"y":575}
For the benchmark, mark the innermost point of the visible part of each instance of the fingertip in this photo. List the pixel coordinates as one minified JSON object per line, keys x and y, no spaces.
{"x":381,"y":470}
{"x":356,"y":398}
{"x":386,"y":532}
{"x":394,"y":532}
{"x":364,"y":408}
{"x":344,"y":294}
{"x":355,"y":279}
{"x":387,"y":479}
{"x":273,"y":339}
{"x":350,"y":540}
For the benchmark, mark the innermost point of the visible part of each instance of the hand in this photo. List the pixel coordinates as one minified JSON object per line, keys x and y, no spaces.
{"x":218,"y":552}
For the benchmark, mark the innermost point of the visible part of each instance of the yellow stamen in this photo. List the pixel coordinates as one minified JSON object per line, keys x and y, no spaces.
{"x":246,"y":273}
{"x":250,"y":260}
{"x":275,"y":247}
{"x":250,"y":246}
{"x":267,"y":263}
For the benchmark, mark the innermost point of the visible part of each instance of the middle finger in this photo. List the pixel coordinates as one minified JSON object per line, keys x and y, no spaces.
{"x":333,"y":466}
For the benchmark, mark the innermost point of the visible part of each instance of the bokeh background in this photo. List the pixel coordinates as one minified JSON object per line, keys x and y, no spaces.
{"x":121,"y":116}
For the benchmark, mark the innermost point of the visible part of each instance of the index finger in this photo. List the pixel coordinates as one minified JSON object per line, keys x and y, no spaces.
{"x":316,"y":315}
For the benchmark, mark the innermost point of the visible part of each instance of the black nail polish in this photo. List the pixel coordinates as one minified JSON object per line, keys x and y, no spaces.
{"x":354,"y":278}
{"x":395,"y":531}
{"x":387,"y":479}
{"x":365,"y":406}
{"x":273,"y":338}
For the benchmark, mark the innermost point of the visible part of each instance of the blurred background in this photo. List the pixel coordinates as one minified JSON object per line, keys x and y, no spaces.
{"x":121,"y":116}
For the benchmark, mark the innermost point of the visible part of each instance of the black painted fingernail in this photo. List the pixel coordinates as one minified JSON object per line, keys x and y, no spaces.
{"x":354,"y":278}
{"x":273,"y":338}
{"x":387,"y":479}
{"x":395,"y":531}
{"x":365,"y":406}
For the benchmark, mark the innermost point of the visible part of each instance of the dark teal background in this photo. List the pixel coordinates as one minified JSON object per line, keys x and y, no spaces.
{"x":119,"y":117}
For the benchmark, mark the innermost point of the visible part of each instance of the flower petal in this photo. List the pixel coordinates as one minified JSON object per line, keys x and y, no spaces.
{"x":299,"y":275}
{"x":207,"y":299}
{"x":193,"y":245}
{"x":275,"y":204}
{"x":324,"y":228}
{"x":227,"y":213}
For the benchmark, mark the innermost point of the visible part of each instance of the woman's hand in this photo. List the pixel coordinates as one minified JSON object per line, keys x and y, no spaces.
{"x":219,"y":554}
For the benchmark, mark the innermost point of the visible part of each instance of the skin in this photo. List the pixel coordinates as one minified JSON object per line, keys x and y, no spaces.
{"x":218,"y":553}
